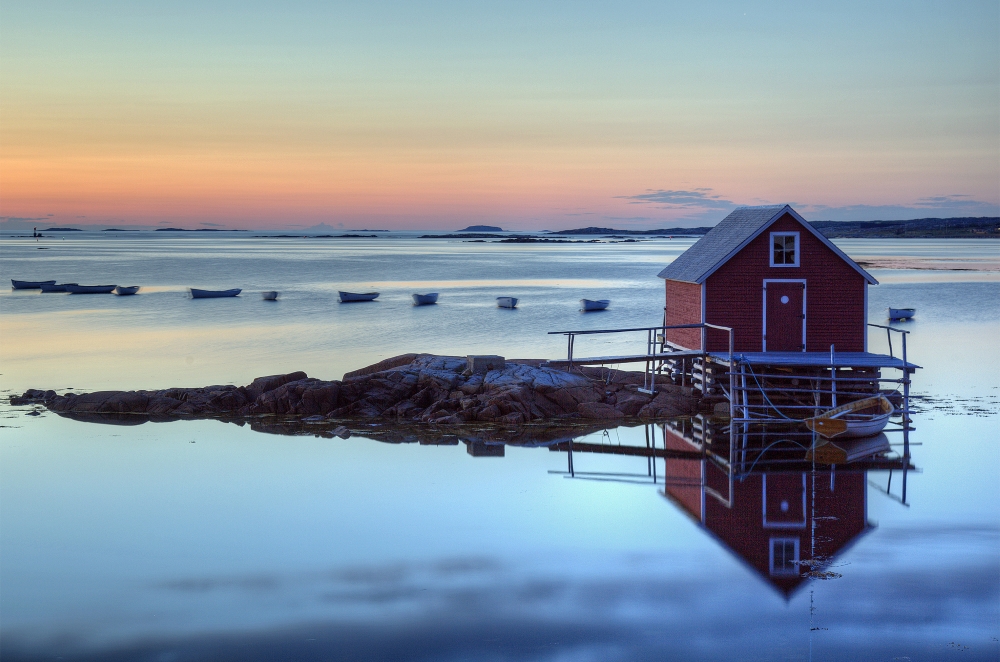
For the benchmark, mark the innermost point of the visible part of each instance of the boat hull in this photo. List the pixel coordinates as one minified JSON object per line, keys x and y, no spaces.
{"x":589,"y":305}
{"x":90,"y":289}
{"x":61,"y":287}
{"x":213,"y":294}
{"x":124,"y":291}
{"x":862,"y":418}
{"x":901,"y":313}
{"x":269,"y":296}
{"x":29,"y":284}
{"x":354,"y":297}
{"x":507,"y":302}
{"x":425,"y":299}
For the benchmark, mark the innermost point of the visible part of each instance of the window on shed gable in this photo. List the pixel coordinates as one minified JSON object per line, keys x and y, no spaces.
{"x":784,"y":249}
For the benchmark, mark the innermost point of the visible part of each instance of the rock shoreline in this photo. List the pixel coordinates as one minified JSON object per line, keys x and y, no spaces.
{"x":410,"y":388}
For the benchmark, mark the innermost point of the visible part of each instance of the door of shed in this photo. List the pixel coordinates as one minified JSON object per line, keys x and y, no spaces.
{"x":784,"y":316}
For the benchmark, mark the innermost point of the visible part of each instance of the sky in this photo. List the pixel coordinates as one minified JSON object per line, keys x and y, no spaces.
{"x":529,"y":116}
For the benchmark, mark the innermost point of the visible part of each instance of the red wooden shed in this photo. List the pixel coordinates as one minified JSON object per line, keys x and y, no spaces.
{"x":776,"y":281}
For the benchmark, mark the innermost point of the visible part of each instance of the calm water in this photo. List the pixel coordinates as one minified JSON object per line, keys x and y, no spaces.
{"x":204,"y":540}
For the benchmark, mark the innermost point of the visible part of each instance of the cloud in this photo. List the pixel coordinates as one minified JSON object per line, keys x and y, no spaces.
{"x":212,"y":225}
{"x":699,"y":198}
{"x":22,"y":219}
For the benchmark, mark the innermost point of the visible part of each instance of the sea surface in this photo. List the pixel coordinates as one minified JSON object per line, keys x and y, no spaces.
{"x":205,"y":540}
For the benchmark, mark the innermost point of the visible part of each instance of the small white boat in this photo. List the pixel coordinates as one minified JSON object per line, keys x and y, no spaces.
{"x":351,"y":297}
{"x":507,"y":302}
{"x":270,"y":295}
{"x":901,"y":313}
{"x":90,"y":289}
{"x":425,"y":299}
{"x":861,"y":418}
{"x":29,"y":284}
{"x":213,"y":294}
{"x":124,"y":291}
{"x":590,"y":305}
{"x":52,"y":287}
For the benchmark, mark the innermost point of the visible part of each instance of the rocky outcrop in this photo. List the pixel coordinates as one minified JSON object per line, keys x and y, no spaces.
{"x":409,"y":388}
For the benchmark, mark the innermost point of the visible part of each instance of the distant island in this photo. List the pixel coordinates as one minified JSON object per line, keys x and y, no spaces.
{"x":666,"y":231}
{"x":196,"y":230}
{"x":919,"y":228}
{"x":63,"y":230}
{"x":481,"y":228}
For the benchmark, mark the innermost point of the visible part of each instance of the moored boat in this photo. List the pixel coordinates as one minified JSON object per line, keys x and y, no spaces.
{"x":29,"y":284}
{"x":901,"y":313}
{"x":53,"y":287}
{"x":352,"y":297}
{"x":861,"y":418}
{"x":89,"y":289}
{"x":507,"y":302}
{"x":270,"y":295}
{"x":590,"y":305}
{"x":425,"y":299}
{"x":213,"y":294}
{"x":124,"y":291}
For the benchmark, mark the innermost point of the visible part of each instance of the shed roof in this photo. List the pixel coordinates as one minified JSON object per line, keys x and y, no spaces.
{"x":731,"y":235}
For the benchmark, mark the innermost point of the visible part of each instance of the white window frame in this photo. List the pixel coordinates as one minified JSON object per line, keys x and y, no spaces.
{"x":775,"y":572}
{"x":798,"y":253}
{"x":781,"y":525}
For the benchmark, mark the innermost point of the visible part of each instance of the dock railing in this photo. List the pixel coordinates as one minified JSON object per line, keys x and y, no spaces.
{"x":657,"y":347}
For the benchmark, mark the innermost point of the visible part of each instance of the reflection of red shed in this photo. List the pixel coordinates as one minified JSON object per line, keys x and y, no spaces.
{"x":775,"y":280}
{"x":769,"y":522}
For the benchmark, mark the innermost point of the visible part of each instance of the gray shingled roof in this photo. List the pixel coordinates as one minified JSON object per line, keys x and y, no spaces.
{"x":731,"y":234}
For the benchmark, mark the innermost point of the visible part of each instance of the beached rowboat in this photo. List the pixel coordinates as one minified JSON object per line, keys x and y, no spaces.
{"x":591,"y":305}
{"x":352,"y":297}
{"x":29,"y":284}
{"x":507,"y":302}
{"x":425,"y":299}
{"x":89,"y":289}
{"x":861,"y":418}
{"x":213,"y":294}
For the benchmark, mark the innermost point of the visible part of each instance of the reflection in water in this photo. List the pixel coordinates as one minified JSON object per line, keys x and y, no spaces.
{"x":762,"y":493}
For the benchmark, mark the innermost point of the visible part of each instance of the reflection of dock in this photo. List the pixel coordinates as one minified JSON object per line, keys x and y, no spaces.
{"x":786,"y":518}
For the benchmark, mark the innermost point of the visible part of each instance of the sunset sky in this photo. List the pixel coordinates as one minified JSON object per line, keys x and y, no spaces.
{"x":530,"y":116}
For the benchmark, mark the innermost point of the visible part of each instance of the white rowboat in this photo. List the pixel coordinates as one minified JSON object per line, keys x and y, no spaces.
{"x":861,"y":418}
{"x":425,"y":299}
{"x":89,"y":289}
{"x":126,"y":290}
{"x":901,"y":313}
{"x":29,"y":284}
{"x":590,"y":305}
{"x":213,"y":294}
{"x":507,"y":302}
{"x":352,"y":297}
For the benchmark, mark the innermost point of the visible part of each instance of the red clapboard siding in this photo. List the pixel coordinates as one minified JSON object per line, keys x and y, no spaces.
{"x":683,"y":307}
{"x":835,"y":294}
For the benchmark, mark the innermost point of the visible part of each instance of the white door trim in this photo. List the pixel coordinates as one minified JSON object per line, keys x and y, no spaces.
{"x":764,"y":324}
